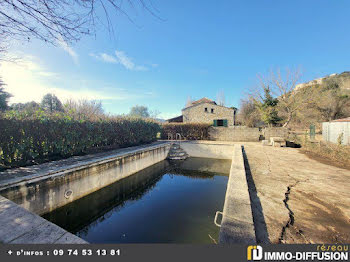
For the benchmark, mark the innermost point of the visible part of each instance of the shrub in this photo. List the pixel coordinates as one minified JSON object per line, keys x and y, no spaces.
{"x":26,"y":141}
{"x":187,"y":131}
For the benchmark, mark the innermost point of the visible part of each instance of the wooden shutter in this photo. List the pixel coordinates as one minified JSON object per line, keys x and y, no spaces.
{"x":225,"y":122}
{"x":215,"y":122}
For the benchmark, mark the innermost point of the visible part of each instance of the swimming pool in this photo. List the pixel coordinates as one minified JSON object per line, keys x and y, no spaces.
{"x":169,"y":202}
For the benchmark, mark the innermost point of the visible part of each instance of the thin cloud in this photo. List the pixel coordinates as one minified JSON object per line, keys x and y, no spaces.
{"x":63,"y":44}
{"x":105,"y":58}
{"x":122,"y":59}
{"x":108,"y":58}
{"x":30,"y":81}
{"x":140,"y":68}
{"x":127,"y":62}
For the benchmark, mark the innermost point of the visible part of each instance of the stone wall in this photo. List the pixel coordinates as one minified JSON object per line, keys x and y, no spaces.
{"x":245,"y":134}
{"x":274,"y":131}
{"x":198,"y":114}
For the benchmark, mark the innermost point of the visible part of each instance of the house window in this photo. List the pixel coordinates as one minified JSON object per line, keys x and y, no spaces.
{"x":206,"y":109}
{"x":212,"y":110}
{"x":220,"y":122}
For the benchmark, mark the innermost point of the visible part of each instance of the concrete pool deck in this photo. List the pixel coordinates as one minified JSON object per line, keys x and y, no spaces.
{"x":296,"y":199}
{"x":19,"y":226}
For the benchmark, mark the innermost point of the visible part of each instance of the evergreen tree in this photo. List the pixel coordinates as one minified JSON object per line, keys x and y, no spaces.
{"x":268,"y":108}
{"x":4,"y":96}
{"x":51,"y":103}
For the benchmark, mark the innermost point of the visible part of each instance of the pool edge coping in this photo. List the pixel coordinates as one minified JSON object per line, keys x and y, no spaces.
{"x":237,"y":225}
{"x":79,"y":165}
{"x":25,"y":226}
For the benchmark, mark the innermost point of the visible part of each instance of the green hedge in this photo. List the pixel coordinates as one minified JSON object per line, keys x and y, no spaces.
{"x":23,"y":142}
{"x":187,"y":131}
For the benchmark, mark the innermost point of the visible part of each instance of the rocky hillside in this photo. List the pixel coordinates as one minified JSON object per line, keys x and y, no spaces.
{"x":325,"y":99}
{"x":343,"y":79}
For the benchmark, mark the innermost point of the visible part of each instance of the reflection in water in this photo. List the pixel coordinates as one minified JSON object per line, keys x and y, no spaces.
{"x":165,"y":203}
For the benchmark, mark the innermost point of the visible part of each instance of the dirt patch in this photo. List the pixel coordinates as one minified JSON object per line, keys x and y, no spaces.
{"x":322,"y":223}
{"x":324,"y":160}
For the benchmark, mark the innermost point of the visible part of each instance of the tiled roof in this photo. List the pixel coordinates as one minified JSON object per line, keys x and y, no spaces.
{"x":203,"y":100}
{"x":176,"y":119}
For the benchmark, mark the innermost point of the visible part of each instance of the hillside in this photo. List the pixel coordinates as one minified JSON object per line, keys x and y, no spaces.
{"x":343,"y":79}
{"x":325,"y":99}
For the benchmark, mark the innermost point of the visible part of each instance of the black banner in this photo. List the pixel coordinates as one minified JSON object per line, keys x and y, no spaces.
{"x":174,"y":252}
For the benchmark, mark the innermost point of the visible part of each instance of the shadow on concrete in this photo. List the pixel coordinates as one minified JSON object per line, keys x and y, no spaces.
{"x":292,"y":144}
{"x":261,"y":234}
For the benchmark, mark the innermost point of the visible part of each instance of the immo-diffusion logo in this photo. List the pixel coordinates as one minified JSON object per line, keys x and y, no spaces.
{"x":254,"y":253}
{"x":323,"y":253}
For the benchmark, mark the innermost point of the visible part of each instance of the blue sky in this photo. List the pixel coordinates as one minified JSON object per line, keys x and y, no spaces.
{"x":197,"y":49}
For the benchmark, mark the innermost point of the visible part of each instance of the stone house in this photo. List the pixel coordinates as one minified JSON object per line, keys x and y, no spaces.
{"x":207,"y":111}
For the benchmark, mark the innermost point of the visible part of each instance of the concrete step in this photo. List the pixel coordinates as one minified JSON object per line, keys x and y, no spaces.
{"x":176,"y":150}
{"x":177,"y":158}
{"x":177,"y":154}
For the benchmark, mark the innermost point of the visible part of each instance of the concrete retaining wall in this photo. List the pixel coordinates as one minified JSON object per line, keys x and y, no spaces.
{"x":237,"y":224}
{"x":221,"y":166}
{"x":46,"y":193}
{"x":83,"y":210}
{"x":331,"y":132}
{"x":208,"y":149}
{"x":245,"y":134}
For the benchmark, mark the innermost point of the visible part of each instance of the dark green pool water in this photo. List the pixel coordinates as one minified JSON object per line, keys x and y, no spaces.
{"x":165,"y":203}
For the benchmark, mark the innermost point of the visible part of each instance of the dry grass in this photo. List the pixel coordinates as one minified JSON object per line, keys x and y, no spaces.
{"x":326,"y":152}
{"x":338,"y":155}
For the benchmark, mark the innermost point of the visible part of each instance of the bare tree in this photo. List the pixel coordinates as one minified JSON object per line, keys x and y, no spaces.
{"x":154,"y":113}
{"x":248,"y":114}
{"x":56,"y":21}
{"x":282,"y":86}
{"x":220,"y":98}
{"x":29,"y":107}
{"x":84,"y":109}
